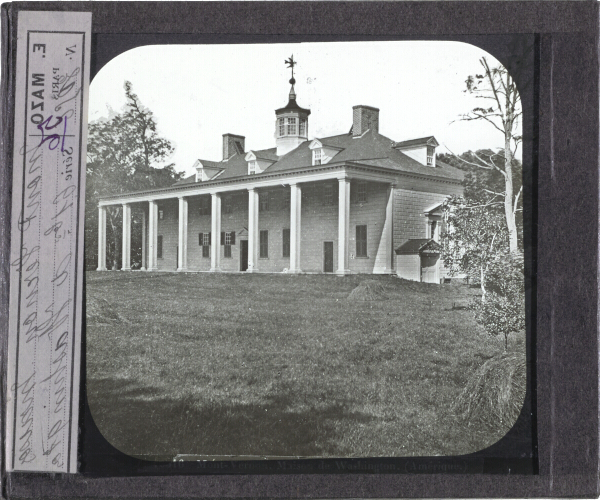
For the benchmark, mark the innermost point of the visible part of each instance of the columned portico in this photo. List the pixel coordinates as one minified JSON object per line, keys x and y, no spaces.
{"x":183,"y":234}
{"x":252,"y":230}
{"x":101,"y":238}
{"x":152,"y":236}
{"x":215,"y":245}
{"x":295,"y":227}
{"x":126,"y":248}
{"x":343,"y":225}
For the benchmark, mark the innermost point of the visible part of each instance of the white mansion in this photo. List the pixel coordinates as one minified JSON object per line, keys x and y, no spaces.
{"x":357,"y":202}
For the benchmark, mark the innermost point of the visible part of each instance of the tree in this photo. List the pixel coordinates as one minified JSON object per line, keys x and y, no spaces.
{"x":503,"y":311}
{"x":475,"y":228}
{"x":495,"y":84}
{"x":125,"y":153}
{"x":475,"y":242}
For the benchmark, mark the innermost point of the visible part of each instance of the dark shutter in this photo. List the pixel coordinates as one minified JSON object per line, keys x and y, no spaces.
{"x":209,"y":239}
{"x":361,"y":241}
{"x":286,"y":243}
{"x":200,"y":238}
{"x":264,"y":244}
{"x":159,"y":246}
{"x":233,"y":237}
{"x":222,"y":238}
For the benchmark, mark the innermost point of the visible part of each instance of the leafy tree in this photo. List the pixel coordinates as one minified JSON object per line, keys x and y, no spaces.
{"x":476,"y":243}
{"x":125,"y":153}
{"x":504,"y":310}
{"x":502,"y":111}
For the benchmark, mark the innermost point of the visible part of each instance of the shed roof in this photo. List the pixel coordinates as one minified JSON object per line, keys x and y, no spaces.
{"x":417,"y":246}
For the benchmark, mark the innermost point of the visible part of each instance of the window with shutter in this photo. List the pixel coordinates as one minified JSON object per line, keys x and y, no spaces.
{"x":205,"y":245}
{"x":361,"y":241}
{"x":227,"y":243}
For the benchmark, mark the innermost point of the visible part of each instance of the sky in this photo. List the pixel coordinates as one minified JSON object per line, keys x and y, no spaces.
{"x":200,"y":92}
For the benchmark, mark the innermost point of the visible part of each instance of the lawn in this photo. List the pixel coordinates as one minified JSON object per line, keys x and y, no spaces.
{"x":281,"y":365}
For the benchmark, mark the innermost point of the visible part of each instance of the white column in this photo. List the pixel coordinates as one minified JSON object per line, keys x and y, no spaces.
{"x":143,"y":268}
{"x":152,"y":235}
{"x":101,"y":239}
{"x":343,"y":225}
{"x":295,"y":227}
{"x":384,"y":260}
{"x":126,"y":249}
{"x":252,"y":230}
{"x":183,"y":234}
{"x":215,"y":239}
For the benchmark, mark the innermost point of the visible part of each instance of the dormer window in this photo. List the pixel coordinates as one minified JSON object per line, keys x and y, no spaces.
{"x":317,"y":156}
{"x":251,"y":167}
{"x":430,"y":153}
{"x":291,"y":126}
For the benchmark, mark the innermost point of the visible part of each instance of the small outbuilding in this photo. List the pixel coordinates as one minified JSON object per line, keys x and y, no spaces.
{"x":419,"y":260}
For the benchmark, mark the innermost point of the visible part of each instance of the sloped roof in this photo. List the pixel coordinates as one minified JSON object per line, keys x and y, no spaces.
{"x":211,"y":164}
{"x":292,"y":105}
{"x":371,"y":149}
{"x":418,"y":245}
{"x":415,"y":142}
{"x":265,"y":154}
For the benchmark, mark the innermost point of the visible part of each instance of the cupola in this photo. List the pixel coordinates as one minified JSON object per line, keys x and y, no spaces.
{"x":291,"y":123}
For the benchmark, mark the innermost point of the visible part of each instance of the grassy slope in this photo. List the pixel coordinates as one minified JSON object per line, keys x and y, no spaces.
{"x":280,"y":365}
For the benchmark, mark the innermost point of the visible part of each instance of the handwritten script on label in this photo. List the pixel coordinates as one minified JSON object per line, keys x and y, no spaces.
{"x":47,"y":241}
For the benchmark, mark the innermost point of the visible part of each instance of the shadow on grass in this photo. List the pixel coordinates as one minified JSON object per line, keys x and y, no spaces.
{"x":144,"y":425}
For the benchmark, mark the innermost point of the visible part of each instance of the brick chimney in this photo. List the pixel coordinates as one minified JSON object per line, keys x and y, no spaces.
{"x":363,"y":119}
{"x":233,"y":144}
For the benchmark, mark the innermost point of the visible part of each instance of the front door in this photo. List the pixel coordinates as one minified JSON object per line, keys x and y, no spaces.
{"x":429,"y":268}
{"x":328,"y":256}
{"x":243,"y":255}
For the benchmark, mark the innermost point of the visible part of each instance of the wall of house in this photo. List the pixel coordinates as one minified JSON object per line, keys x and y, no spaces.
{"x":411,"y":199}
{"x":275,"y":220}
{"x":319,"y":224}
{"x":371,"y":213}
{"x":409,"y":267}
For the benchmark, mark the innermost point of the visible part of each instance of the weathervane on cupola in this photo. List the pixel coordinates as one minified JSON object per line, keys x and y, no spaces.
{"x":291,"y":126}
{"x":290,"y":64}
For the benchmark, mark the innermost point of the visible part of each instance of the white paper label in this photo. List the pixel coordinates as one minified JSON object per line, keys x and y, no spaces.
{"x":51,"y":95}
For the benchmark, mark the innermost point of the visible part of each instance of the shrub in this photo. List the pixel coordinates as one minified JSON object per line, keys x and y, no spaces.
{"x":502,"y":310}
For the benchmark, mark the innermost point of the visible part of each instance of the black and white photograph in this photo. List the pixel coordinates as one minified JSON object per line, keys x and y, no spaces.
{"x":305,"y":250}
